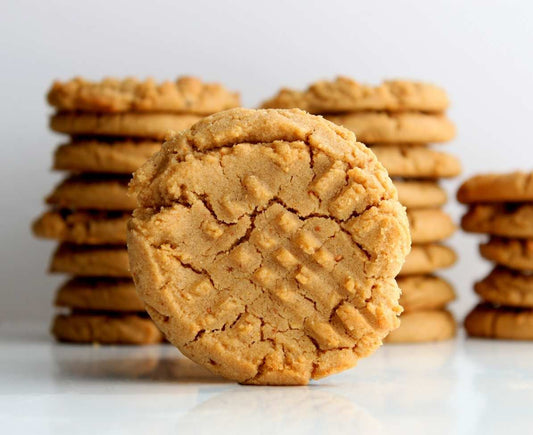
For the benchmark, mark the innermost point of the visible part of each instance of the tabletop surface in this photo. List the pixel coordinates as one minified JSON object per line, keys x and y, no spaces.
{"x":461,"y":386}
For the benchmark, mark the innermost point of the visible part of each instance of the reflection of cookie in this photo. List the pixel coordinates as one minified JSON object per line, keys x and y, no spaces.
{"x":272,"y":260}
{"x":141,"y":125}
{"x":506,"y":287}
{"x":82,"y":227}
{"x":424,"y":326}
{"x":428,"y":258}
{"x":119,"y":157}
{"x":105,"y":329}
{"x":420,"y":194}
{"x":424,"y":292}
{"x":507,"y":220}
{"x":346,"y":95}
{"x":92,"y":192}
{"x":487,"y":321}
{"x":99,"y":294}
{"x":430,"y":225}
{"x":417,"y":162}
{"x":513,"y":253}
{"x":78,"y":260}
{"x":185,"y":95}
{"x":513,"y":187}
{"x":370,"y":127}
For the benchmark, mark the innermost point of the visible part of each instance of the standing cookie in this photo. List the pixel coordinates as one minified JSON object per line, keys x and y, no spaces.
{"x":265,"y":246}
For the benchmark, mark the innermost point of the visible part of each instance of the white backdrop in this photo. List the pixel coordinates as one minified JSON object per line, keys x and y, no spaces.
{"x":480,"y":51}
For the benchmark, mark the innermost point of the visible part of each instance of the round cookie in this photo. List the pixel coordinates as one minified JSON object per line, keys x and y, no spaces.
{"x":427,"y":259}
{"x":105,"y":329}
{"x":424,"y":292}
{"x":346,"y":95}
{"x":92,"y":192}
{"x":486,"y":321}
{"x":417,"y":162}
{"x":512,"y":187}
{"x":512,"y":253}
{"x":430,"y":225}
{"x":82,"y":227}
{"x":265,"y":245}
{"x":84,"y":260}
{"x":371,"y":127}
{"x":138,"y":125}
{"x":99,"y":294}
{"x":185,"y":95}
{"x":507,"y":220}
{"x":113,"y":157}
{"x":420,"y":194}
{"x":506,"y":287}
{"x":424,"y":326}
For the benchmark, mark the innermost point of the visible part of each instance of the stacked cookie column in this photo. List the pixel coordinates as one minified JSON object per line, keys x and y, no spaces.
{"x":501,"y":205}
{"x":398,"y":119}
{"x":114,"y":126}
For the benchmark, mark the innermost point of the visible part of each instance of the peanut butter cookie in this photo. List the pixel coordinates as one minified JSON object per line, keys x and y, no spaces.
{"x":512,"y":187}
{"x":185,"y":95}
{"x":112,"y":157}
{"x":427,"y":259}
{"x":424,"y":326}
{"x":346,"y":95}
{"x":506,"y":287}
{"x":99,"y":294}
{"x":265,"y":245}
{"x":506,"y":220}
{"x":512,"y":253}
{"x":486,"y":321}
{"x":424,"y":292}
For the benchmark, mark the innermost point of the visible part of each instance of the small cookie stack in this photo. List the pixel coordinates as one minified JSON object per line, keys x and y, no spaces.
{"x":114,"y":126}
{"x":397,"y":119}
{"x":501,"y":205}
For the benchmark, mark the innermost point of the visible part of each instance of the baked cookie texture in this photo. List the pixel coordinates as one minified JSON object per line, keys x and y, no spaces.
{"x":265,"y":246}
{"x":398,"y":119}
{"x":513,"y":187}
{"x":103,"y":156}
{"x":346,"y":95}
{"x":425,"y":292}
{"x":424,"y":326}
{"x":114,"y":127}
{"x":186,"y":95}
{"x":501,"y":205}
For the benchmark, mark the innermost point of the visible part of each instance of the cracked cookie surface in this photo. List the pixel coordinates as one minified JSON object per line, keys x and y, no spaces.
{"x":265,"y":246}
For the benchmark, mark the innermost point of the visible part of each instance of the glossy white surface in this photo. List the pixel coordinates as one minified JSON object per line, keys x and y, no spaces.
{"x":462,"y":386}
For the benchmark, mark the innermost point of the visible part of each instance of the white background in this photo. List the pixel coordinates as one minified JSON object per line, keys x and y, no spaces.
{"x":480,"y":51}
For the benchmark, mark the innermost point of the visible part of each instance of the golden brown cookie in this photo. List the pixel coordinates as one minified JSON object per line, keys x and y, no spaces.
{"x":417,"y":162}
{"x":105,"y":329}
{"x":113,"y":157}
{"x":83,"y":260}
{"x":265,"y":245}
{"x":100,"y":294}
{"x":424,"y":292}
{"x":506,"y":287}
{"x":346,"y":95}
{"x":507,"y":220}
{"x":513,"y":253}
{"x":92,"y":192}
{"x":370,"y":127}
{"x":137,"y":125}
{"x":486,"y":321}
{"x":512,"y":187}
{"x":427,"y":259}
{"x":430,"y":225}
{"x":185,"y":95}
{"x":420,"y":194}
{"x":82,"y":227}
{"x":424,"y":326}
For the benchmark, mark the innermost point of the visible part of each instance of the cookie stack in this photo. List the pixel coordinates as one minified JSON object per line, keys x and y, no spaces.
{"x":501,"y":205}
{"x":114,"y":126}
{"x":397,"y":119}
